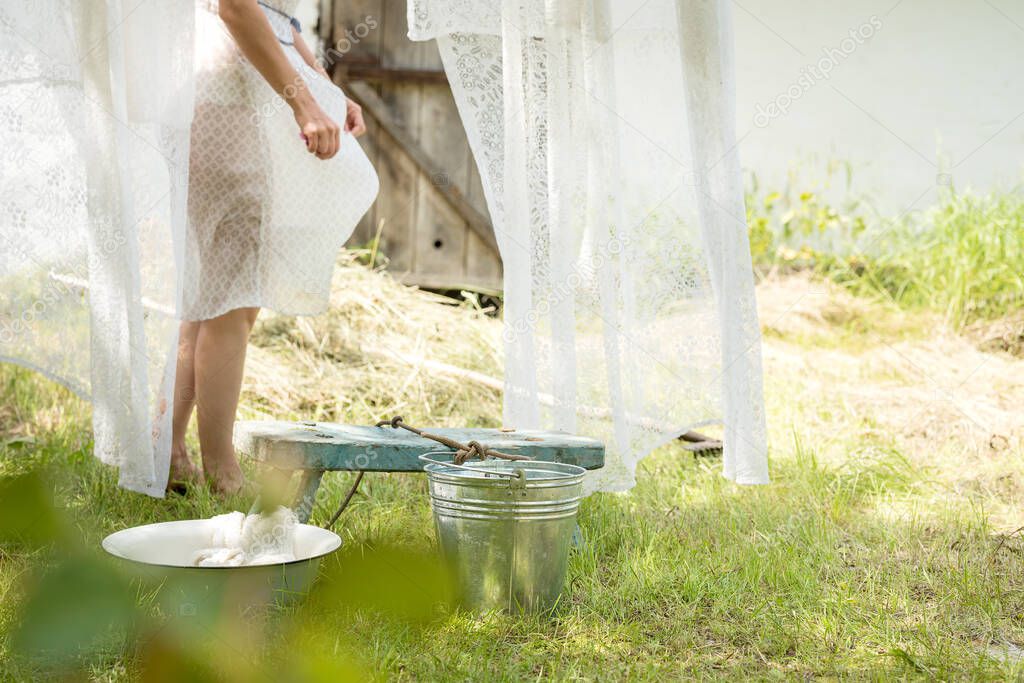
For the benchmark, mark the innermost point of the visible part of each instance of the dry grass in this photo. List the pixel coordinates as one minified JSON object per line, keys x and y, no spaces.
{"x":842,"y":368}
{"x":380,"y":350}
{"x":1006,"y":334}
{"x":850,"y":370}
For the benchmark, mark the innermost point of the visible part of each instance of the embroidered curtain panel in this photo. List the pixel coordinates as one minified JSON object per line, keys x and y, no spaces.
{"x":94,"y":131}
{"x":604,"y":134}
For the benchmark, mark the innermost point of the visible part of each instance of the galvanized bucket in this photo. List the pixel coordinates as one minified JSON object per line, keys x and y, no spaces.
{"x":505,"y":528}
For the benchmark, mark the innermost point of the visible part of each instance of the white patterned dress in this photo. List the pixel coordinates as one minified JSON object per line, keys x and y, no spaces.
{"x":266,"y":217}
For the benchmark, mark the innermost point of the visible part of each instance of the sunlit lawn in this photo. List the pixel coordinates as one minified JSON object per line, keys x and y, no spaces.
{"x":885,"y":546}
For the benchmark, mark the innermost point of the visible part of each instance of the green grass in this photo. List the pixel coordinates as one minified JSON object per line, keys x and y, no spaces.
{"x":962,"y":258}
{"x":856,"y":561}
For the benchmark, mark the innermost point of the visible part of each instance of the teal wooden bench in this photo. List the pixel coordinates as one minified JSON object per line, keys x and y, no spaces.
{"x":313,"y":448}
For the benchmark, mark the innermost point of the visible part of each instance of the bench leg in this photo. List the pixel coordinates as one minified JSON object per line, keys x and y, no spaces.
{"x":305,"y":495}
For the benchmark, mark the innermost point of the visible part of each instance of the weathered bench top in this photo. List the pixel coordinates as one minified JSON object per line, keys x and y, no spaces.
{"x":330,"y":446}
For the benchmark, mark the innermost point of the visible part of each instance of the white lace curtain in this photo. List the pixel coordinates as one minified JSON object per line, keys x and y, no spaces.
{"x":604,"y":133}
{"x":94,"y":128}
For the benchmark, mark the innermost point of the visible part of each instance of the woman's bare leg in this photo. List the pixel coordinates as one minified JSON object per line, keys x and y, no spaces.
{"x":182,"y":468}
{"x":219,"y":366}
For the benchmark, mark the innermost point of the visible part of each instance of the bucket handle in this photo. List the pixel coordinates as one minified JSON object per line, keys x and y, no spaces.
{"x":516,"y":481}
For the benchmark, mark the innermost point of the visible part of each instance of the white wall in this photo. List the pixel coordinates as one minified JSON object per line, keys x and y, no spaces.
{"x":934,"y":95}
{"x":307,"y":12}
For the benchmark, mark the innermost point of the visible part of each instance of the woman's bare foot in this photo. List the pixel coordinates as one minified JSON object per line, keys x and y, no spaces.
{"x":224,"y":476}
{"x":183,"y":473}
{"x":182,"y":468}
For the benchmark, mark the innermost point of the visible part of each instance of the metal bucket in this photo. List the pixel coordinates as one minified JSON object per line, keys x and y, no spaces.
{"x":505,"y":528}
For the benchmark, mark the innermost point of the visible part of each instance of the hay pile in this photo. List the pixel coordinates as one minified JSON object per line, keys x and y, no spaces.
{"x":1005,"y":335}
{"x":908,"y":375}
{"x":857,"y":377}
{"x":381,"y":349}
{"x":852,"y":375}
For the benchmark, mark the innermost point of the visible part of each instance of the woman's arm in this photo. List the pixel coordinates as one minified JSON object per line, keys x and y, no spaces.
{"x":354,"y":122}
{"x":307,"y":54}
{"x":255,"y":37}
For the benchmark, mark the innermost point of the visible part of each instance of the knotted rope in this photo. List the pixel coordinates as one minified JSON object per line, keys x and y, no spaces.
{"x":463,"y":451}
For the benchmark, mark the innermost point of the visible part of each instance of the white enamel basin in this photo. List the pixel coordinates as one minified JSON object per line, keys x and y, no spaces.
{"x":163,"y":553}
{"x":174,"y":544}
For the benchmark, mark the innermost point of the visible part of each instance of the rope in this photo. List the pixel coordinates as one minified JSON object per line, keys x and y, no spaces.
{"x":463,"y":451}
{"x":344,"y":503}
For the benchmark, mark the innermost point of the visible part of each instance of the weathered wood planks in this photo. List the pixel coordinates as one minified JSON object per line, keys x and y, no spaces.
{"x":330,"y":446}
{"x":435,"y":226}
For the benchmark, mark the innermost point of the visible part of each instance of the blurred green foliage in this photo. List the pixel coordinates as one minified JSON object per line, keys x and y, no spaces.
{"x":27,"y":513}
{"x":79,"y":607}
{"x":74,"y":609}
{"x":400,"y":582}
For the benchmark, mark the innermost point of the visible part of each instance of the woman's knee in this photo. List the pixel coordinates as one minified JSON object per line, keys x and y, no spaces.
{"x":238,"y":320}
{"x":187,"y":338}
{"x":250,"y":315}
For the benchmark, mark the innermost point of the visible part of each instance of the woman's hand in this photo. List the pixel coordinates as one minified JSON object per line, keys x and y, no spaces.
{"x":256,"y":39}
{"x":321,"y":133}
{"x":354,"y":123}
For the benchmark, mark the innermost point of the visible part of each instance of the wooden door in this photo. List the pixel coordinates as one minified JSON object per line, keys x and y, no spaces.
{"x":431,"y":214}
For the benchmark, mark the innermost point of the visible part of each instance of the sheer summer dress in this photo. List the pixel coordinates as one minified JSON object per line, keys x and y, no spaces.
{"x":266,"y":217}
